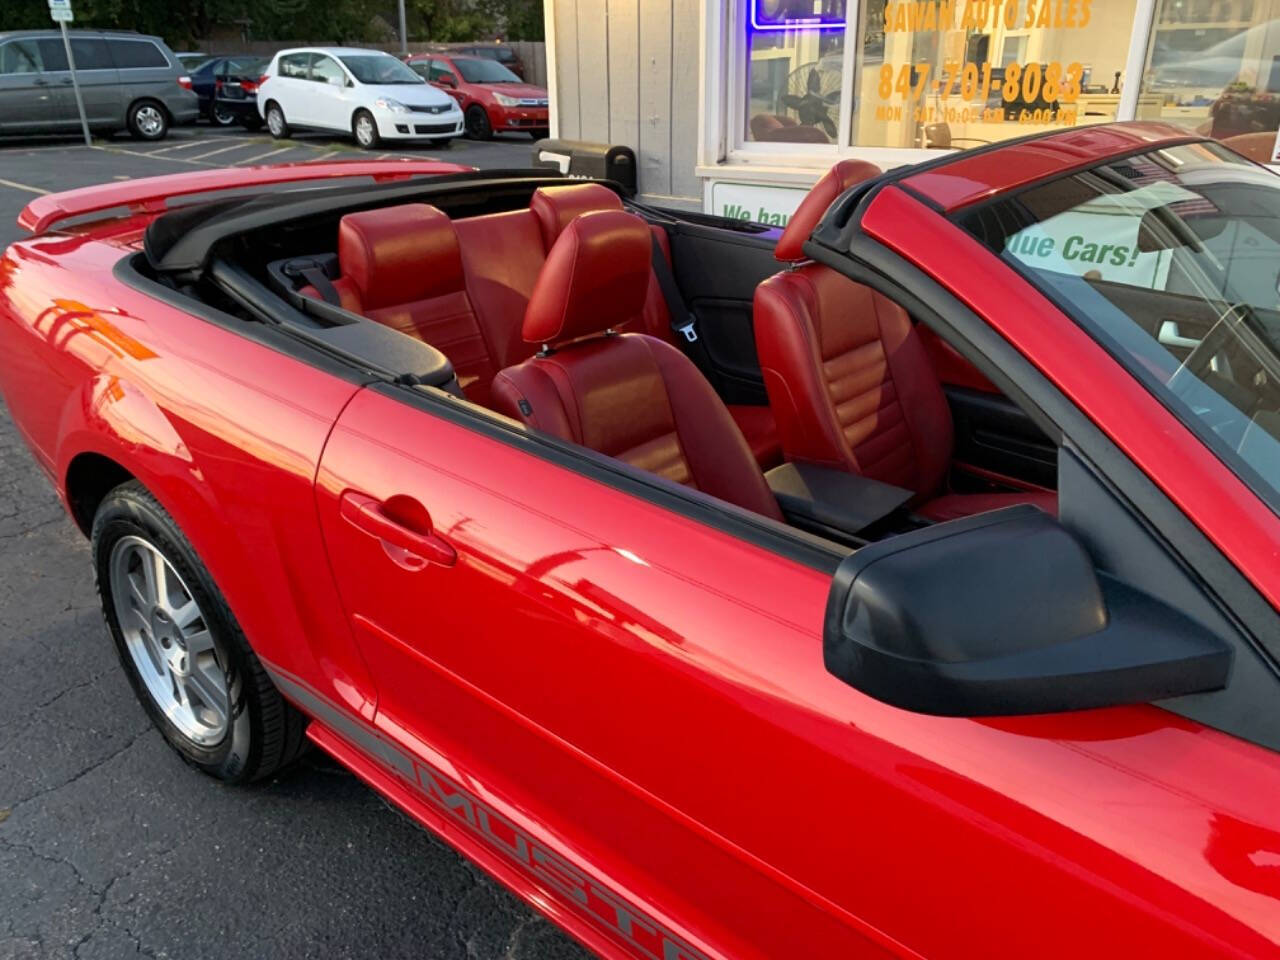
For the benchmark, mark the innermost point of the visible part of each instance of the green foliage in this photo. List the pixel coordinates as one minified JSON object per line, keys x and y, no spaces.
{"x":182,"y":23}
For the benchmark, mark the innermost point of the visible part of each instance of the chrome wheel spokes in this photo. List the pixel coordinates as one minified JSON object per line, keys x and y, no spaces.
{"x":169,"y":641}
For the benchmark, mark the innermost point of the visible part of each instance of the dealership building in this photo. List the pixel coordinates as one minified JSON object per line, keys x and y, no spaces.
{"x":737,"y":106}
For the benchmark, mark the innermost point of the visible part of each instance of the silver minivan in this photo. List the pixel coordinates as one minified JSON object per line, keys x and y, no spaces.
{"x":128,"y":81}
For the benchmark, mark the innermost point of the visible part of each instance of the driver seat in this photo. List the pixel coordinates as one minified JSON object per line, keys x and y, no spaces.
{"x":629,"y":395}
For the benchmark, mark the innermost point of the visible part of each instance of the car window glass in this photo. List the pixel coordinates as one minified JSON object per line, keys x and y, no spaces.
{"x":326,"y":70}
{"x":422,"y":68}
{"x":20,"y":56}
{"x":52,"y":54}
{"x":90,"y":53}
{"x":135,"y":53}
{"x":485,"y":71}
{"x":440,"y":69}
{"x":295,"y":65}
{"x":379,"y":68}
{"x":242,"y":67}
{"x":1171,"y":259}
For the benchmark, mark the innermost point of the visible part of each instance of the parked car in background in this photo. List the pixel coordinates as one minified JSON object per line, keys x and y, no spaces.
{"x":366,"y":93}
{"x":128,"y":82}
{"x":493,"y":99}
{"x":228,"y":89}
{"x":495,"y":51}
{"x":192,"y":60}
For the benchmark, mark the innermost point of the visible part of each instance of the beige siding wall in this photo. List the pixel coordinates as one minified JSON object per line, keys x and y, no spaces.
{"x":627,"y":73}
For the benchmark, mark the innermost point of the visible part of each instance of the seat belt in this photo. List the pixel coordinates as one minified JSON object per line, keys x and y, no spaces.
{"x":682,"y":319}
{"x":324,"y":286}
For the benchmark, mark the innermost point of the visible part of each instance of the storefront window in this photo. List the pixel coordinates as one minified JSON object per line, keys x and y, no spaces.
{"x":1213,"y":66}
{"x":795,"y":70}
{"x":958,"y":74}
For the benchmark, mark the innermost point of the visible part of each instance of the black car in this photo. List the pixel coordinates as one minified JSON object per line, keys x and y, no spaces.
{"x":228,"y":90}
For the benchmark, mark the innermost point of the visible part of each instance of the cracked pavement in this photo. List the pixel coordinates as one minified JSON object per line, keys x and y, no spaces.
{"x":111,"y":846}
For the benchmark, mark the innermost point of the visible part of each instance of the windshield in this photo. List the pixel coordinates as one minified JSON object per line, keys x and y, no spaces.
{"x":1171,"y":260}
{"x":379,"y":69}
{"x":485,"y":71}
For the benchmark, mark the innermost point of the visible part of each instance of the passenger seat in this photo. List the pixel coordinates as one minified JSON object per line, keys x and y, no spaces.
{"x":629,"y":395}
{"x":848,"y":377}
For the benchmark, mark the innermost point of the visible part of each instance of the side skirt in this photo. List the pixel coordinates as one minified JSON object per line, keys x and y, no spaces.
{"x":575,"y":900}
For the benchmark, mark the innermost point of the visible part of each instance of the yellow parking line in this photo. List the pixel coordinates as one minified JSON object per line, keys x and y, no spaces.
{"x":22,"y":186}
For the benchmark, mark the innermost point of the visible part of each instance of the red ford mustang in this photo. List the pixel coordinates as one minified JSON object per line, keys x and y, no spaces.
{"x":904,"y":584}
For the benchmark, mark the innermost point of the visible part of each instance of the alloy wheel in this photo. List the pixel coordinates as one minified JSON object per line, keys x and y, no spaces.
{"x":364,"y":130}
{"x":169,"y":640}
{"x":149,"y":120}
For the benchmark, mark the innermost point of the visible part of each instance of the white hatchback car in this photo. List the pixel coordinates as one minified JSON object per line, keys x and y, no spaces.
{"x":366,"y":93}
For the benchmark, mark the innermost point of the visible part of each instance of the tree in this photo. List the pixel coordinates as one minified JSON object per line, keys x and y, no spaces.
{"x":448,"y":21}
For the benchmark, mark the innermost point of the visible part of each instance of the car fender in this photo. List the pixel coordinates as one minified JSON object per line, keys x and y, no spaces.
{"x":112,"y":417}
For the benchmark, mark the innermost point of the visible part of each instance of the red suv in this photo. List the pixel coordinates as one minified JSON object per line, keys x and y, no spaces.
{"x":493,"y":99}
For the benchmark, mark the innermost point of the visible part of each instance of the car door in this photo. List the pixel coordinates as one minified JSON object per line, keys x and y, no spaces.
{"x":291,"y":86}
{"x":31,"y":95}
{"x":329,"y":94}
{"x":443,"y":76}
{"x":616,"y":693}
{"x":99,"y":81}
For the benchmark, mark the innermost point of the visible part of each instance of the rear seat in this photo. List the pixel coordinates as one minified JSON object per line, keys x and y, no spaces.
{"x":463,"y":285}
{"x":402,"y":266}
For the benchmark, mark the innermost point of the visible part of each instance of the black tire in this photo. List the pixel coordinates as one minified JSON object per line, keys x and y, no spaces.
{"x":147,"y":120}
{"x":365,"y":130}
{"x":279,"y":129}
{"x":477,"y":122}
{"x":539,"y":134}
{"x":251,"y":122}
{"x":220,"y":119}
{"x":264,"y":732}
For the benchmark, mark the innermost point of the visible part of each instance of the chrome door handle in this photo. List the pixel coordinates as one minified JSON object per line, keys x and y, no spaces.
{"x":1171,"y":336}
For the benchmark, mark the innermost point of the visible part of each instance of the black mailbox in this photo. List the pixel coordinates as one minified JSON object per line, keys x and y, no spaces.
{"x":578,"y":158}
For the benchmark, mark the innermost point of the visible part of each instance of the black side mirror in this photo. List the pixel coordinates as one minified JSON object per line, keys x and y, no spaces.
{"x":1003,"y":613}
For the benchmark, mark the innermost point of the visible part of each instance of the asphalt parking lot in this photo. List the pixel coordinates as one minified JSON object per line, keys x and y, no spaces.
{"x":110,"y":846}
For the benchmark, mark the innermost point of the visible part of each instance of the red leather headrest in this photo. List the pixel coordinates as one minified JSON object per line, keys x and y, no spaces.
{"x":596,"y":277}
{"x":834,"y":182}
{"x":400,"y":254}
{"x":556,"y":207}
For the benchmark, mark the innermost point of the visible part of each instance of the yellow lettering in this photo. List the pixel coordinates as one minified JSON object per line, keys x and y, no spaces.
{"x":1085,"y":12}
{"x":1046,"y":14}
{"x":1010,"y":14}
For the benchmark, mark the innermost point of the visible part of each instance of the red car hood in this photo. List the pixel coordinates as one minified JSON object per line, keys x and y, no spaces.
{"x":521,"y":90}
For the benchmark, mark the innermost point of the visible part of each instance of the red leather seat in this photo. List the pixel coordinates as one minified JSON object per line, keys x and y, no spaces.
{"x":402,"y":266}
{"x":503,"y":254}
{"x":628,"y":395}
{"x":847,"y":376}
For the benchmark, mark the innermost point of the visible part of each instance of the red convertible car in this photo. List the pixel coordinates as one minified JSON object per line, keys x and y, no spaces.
{"x":900,"y":584}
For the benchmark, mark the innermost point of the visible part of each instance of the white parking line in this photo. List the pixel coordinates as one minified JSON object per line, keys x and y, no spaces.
{"x":235,"y":146}
{"x":22,"y":186}
{"x":323,"y":156}
{"x":201,"y":141}
{"x":143,"y":153}
{"x":263,"y":156}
